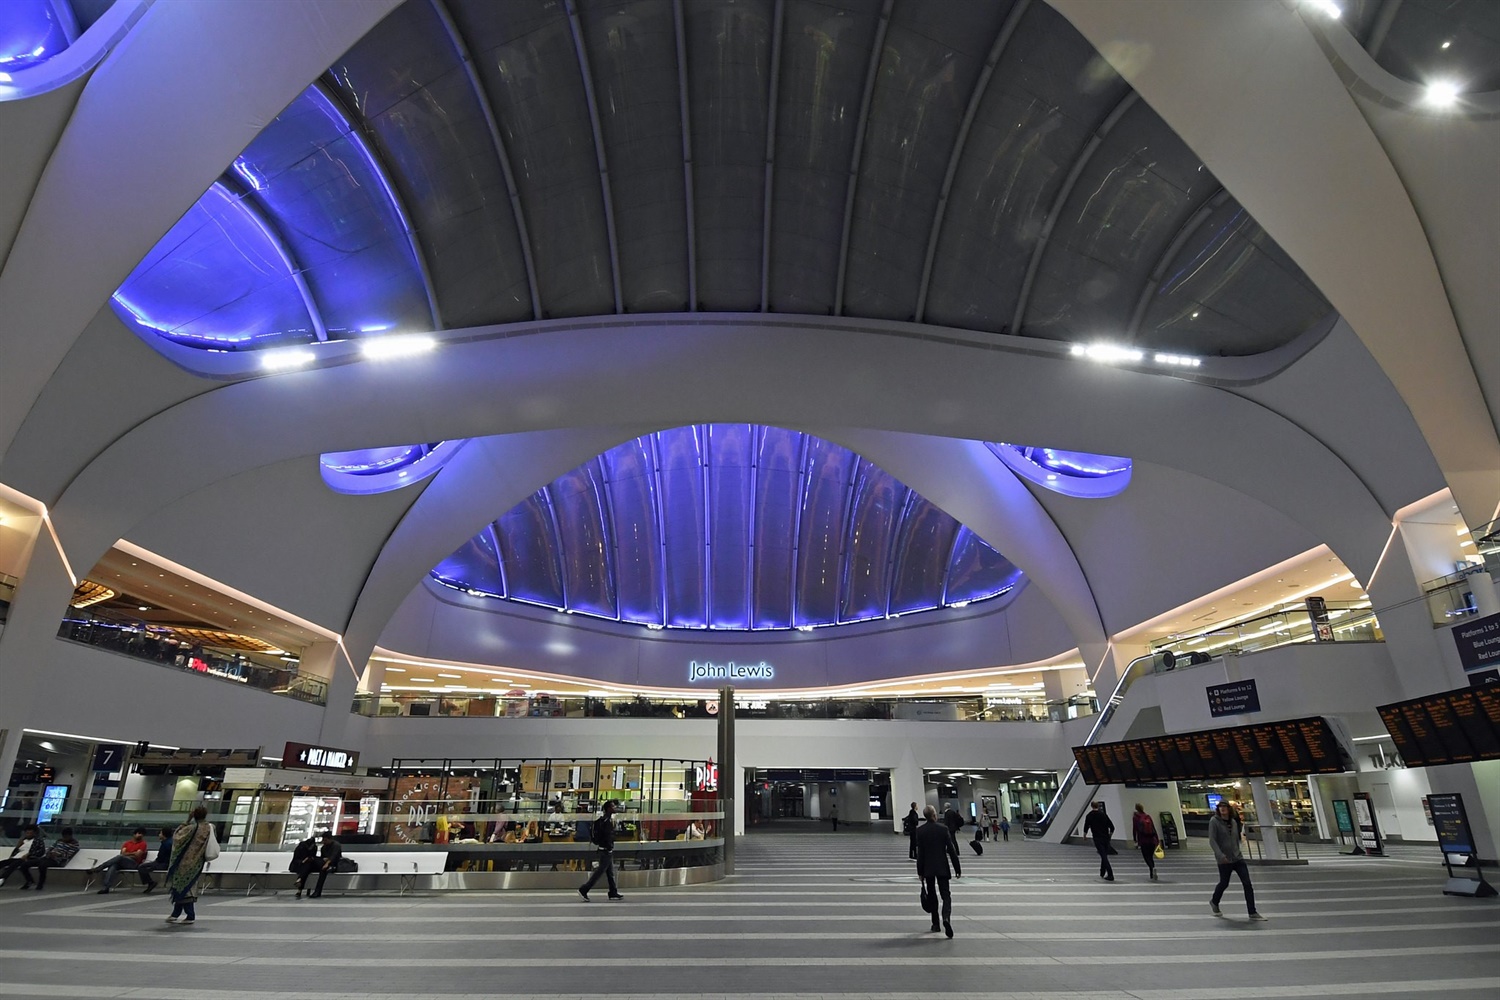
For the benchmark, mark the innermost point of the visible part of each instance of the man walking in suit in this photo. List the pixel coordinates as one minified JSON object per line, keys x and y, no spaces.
{"x":935,"y":848}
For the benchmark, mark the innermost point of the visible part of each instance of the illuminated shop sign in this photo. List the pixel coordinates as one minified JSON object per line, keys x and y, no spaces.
{"x":316,"y":758}
{"x":730,"y":671}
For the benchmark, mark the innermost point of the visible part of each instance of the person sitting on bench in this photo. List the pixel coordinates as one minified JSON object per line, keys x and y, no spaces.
{"x":332,"y":853}
{"x":29,"y":850}
{"x":132,"y":853}
{"x":304,"y":861}
{"x":162,"y":862}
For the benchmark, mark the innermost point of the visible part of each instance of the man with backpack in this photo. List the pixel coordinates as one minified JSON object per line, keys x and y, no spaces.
{"x":603,"y":836}
{"x":1144,"y":832}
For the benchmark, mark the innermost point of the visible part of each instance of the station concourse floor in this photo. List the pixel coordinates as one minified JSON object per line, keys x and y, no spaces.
{"x":807,"y":914}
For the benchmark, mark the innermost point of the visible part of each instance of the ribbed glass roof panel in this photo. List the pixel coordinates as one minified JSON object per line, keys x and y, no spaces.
{"x":729,"y":527}
{"x":631,"y":472}
{"x":873,"y":520}
{"x":1132,"y":197}
{"x":218,"y":279}
{"x":777,"y":500}
{"x":730,"y":43}
{"x":526,"y":57}
{"x":934,"y":51}
{"x":529,"y":547}
{"x":681,"y":467}
{"x":820,"y":536}
{"x":825,"y":53}
{"x":578,"y":500}
{"x":407,"y":84}
{"x":1048,"y":94}
{"x":923,"y":550}
{"x":1230,"y":289}
{"x":338,"y":217}
{"x":475,"y":566}
{"x":977,"y":572}
{"x":632,"y":47}
{"x":731,"y":486}
{"x":33,"y":31}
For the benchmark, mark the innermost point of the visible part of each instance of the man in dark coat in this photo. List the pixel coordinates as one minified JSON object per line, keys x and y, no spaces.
{"x":909,"y":824}
{"x":953,"y":820}
{"x":935,"y":849}
{"x":1099,"y":826}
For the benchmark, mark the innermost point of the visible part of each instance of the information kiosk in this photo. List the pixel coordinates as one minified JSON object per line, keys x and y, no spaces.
{"x":1455,"y":838}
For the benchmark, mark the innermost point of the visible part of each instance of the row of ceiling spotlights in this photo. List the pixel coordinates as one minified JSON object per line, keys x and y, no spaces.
{"x":1437,"y":94}
{"x":373,"y":349}
{"x":1114,"y":353}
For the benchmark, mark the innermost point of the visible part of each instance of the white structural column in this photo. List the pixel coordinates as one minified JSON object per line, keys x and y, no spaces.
{"x":44,"y":589}
{"x":1270,"y":842}
{"x":907,"y":787}
{"x":1250,"y":91}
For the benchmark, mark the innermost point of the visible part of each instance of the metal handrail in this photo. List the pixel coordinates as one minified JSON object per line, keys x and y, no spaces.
{"x":1127,"y":677}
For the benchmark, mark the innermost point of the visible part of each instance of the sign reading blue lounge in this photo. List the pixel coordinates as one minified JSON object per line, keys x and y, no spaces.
{"x":730,"y":671}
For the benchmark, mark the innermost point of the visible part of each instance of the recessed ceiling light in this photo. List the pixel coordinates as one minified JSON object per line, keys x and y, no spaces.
{"x":1441,"y":94}
{"x":386,"y":348}
{"x":1445,"y":45}
{"x":456,"y":677}
{"x":288,"y":358}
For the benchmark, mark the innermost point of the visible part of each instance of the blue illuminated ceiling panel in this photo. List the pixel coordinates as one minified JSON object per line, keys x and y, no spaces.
{"x":1071,"y":473}
{"x":729,"y":527}
{"x":33,"y":31}
{"x":380,"y":470}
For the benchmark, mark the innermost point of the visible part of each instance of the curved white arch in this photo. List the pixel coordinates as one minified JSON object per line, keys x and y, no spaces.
{"x":493,"y":474}
{"x":1248,"y":88}
{"x":217,"y":72}
{"x":629,"y":374}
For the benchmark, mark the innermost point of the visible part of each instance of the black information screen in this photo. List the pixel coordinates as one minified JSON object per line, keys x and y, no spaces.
{"x":1299,"y":746}
{"x":1449,"y":728}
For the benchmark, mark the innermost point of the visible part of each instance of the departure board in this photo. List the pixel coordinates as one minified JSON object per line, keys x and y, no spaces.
{"x":1298,"y":746}
{"x":1454,"y":727}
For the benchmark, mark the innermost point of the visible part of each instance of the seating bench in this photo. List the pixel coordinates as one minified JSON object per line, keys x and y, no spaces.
{"x":258,"y":870}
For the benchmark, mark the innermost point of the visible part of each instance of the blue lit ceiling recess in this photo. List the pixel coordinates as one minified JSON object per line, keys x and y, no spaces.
{"x":470,"y":163}
{"x":33,"y":31}
{"x":380,"y":470}
{"x":1071,"y":473}
{"x":730,"y":527}
{"x":301,"y":240}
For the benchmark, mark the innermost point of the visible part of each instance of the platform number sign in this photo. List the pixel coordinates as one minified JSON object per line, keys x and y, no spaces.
{"x":109,"y":757}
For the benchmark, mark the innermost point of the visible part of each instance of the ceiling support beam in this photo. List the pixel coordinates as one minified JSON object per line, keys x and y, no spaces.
{"x":661,"y":521}
{"x":562,"y":556}
{"x":771,"y":96}
{"x":365,"y":139}
{"x":1017,"y":327}
{"x":1007,"y":31}
{"x":846,"y":549}
{"x":268,"y":226}
{"x":803,"y":480}
{"x":860,"y":128}
{"x":1168,"y":255}
{"x":687,"y":155}
{"x":708,"y":522}
{"x":599,"y":153}
{"x":497,"y":141}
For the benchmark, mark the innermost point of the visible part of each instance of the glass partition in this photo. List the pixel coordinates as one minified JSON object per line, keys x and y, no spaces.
{"x":191,"y":650}
{"x":970,"y":708}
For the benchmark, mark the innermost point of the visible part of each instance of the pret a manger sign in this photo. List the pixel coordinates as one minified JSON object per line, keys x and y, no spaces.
{"x":730,"y":671}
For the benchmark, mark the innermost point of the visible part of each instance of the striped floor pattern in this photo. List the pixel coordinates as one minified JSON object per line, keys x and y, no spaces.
{"x":807,"y":914}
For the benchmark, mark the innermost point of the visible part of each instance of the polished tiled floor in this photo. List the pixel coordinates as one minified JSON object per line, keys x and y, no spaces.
{"x":807,"y":914}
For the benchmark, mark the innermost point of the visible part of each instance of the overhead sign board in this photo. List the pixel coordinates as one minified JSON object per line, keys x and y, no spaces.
{"x":1238,"y":698}
{"x":1478,"y":642}
{"x":1453,"y":727}
{"x":1271,"y":749}
{"x":311,"y":757}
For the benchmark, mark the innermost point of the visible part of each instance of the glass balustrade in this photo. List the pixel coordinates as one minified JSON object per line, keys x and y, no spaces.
{"x":973,"y":708}
{"x":171,"y":647}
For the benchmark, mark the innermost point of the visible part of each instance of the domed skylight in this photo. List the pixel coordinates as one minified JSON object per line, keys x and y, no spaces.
{"x":730,"y":527}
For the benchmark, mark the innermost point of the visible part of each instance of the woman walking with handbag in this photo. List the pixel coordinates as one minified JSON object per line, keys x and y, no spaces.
{"x":193,"y":844}
{"x":1144,"y":831}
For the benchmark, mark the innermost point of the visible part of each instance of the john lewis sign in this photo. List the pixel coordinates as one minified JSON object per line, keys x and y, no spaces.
{"x":730,"y":671}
